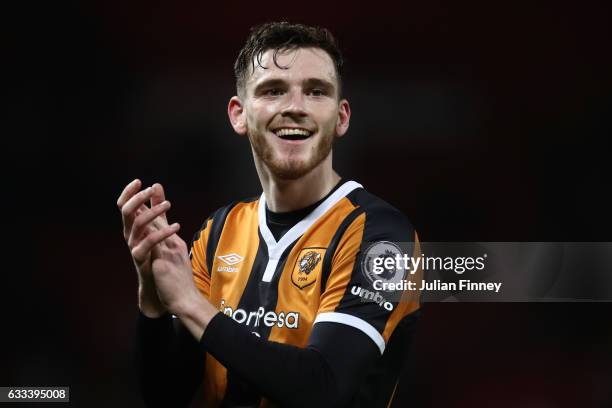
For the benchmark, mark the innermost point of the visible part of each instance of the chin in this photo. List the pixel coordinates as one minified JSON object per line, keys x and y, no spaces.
{"x":290,"y":165}
{"x":291,"y":170}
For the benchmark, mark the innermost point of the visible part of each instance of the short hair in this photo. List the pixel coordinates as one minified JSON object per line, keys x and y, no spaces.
{"x":280,"y":36}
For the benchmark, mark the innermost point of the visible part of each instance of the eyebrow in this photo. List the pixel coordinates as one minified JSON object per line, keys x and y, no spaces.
{"x":309,"y":82}
{"x":319,"y":82}
{"x":268,"y":83}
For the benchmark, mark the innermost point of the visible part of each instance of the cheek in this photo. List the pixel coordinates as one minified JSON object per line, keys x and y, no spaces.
{"x":329,"y":121}
{"x":261,"y":114}
{"x":326,"y":113}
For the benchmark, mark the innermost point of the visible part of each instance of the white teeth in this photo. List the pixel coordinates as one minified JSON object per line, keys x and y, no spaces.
{"x":292,"y":132}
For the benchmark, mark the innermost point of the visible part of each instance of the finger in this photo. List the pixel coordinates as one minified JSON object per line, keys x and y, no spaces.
{"x":158,"y":197}
{"x":129,"y":209}
{"x":128,"y":192}
{"x":171,"y":242}
{"x":174,"y":241}
{"x":141,"y":251}
{"x":156,"y":224}
{"x":144,"y":222}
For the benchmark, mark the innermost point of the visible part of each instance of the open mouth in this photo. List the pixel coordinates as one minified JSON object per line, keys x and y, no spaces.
{"x":293,"y":133}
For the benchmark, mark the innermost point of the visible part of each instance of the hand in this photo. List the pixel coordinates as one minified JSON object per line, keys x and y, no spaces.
{"x":161,"y":259}
{"x":171,"y":268}
{"x":176,"y":288}
{"x":142,"y":226}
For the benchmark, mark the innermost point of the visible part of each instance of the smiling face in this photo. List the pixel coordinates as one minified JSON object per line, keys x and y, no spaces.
{"x":291,"y":111}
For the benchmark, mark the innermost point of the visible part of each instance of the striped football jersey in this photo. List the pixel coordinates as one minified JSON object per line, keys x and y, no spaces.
{"x":280,"y":289}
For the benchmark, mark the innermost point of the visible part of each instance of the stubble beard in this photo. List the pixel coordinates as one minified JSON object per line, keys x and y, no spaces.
{"x":290,"y":168}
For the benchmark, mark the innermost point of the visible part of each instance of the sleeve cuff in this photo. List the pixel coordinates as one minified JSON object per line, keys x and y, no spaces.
{"x":153,"y":324}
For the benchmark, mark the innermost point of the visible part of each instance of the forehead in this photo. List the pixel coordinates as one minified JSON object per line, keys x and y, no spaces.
{"x":297,"y":65}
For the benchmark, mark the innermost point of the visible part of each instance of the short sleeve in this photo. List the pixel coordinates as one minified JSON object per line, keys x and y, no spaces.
{"x":349,"y":296}
{"x":197,"y":254}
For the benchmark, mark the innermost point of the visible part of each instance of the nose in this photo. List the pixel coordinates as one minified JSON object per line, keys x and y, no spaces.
{"x":295,"y":105}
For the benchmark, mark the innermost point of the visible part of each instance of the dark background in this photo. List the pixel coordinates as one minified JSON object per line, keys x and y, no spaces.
{"x":481,"y":121}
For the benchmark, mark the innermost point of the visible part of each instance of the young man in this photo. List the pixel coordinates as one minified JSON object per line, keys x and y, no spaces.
{"x":271,"y":302}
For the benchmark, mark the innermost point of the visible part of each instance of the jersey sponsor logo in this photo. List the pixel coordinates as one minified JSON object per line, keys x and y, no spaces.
{"x":290,"y":320}
{"x":371,"y":296}
{"x":307,"y":267}
{"x":229,"y":259}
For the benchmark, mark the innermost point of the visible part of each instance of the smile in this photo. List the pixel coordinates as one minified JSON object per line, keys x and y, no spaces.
{"x":292,"y":133}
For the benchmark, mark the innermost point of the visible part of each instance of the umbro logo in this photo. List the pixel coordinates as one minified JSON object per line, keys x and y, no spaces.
{"x":229,"y":259}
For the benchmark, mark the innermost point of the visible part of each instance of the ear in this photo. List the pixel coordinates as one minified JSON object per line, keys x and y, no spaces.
{"x":344,"y":117}
{"x":237,"y":115}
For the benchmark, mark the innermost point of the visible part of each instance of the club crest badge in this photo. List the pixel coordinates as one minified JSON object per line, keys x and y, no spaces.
{"x":307,"y":267}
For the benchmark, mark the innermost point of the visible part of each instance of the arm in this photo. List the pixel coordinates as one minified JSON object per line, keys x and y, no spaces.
{"x":169,"y":362}
{"x":326,"y":373}
{"x":168,"y":359}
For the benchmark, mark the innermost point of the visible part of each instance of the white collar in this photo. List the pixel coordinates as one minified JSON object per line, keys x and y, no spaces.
{"x":276,"y":249}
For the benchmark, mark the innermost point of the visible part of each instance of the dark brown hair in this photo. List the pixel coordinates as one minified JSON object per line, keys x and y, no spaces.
{"x":280,"y":36}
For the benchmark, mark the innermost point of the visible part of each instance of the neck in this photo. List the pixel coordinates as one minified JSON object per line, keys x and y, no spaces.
{"x":288,"y":195}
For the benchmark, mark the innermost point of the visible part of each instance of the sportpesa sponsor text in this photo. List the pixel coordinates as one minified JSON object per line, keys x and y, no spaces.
{"x":291,"y":320}
{"x":270,"y":318}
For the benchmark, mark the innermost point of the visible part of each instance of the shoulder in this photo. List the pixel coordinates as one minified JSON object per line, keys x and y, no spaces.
{"x":206,"y":238}
{"x":217,"y":218}
{"x":238,"y":206}
{"x":380,"y":219}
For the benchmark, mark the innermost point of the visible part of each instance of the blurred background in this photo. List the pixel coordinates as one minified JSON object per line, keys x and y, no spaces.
{"x":481,"y":121}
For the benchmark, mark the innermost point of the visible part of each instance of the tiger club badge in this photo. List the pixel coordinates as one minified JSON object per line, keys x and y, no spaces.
{"x":307,"y":267}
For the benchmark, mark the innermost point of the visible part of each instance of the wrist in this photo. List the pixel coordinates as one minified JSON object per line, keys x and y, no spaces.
{"x":189,"y":306}
{"x":195,"y":312}
{"x":148,"y":301}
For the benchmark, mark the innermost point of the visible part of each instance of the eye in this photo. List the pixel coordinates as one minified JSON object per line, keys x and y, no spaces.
{"x":273,"y":92}
{"x":317,"y":92}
